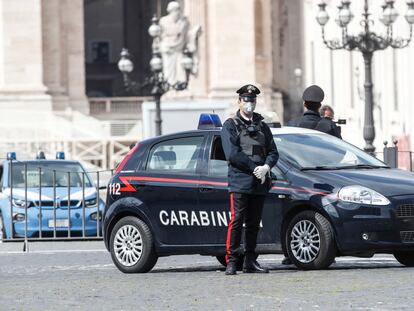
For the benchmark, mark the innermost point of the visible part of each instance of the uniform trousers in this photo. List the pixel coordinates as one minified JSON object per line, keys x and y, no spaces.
{"x":247,"y":209}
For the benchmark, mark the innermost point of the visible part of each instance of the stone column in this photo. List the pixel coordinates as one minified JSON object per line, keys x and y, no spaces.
{"x":73,"y":51}
{"x":231,"y":46}
{"x":21,"y":58}
{"x":196,"y":11}
{"x":54,"y":53}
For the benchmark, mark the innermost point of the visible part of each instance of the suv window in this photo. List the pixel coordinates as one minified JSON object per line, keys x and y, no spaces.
{"x":176,"y":156}
{"x":217,"y":165}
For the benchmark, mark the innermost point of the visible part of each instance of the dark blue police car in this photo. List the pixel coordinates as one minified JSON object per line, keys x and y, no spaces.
{"x":169,"y":196}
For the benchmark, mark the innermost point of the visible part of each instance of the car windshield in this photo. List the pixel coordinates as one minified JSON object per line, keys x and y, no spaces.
{"x":322,"y":151}
{"x":62,"y":176}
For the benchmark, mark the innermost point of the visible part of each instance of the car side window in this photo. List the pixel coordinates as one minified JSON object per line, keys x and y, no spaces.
{"x":217,"y":165}
{"x":176,"y":156}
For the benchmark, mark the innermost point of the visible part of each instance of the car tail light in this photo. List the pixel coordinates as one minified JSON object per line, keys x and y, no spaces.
{"x":126,"y":159}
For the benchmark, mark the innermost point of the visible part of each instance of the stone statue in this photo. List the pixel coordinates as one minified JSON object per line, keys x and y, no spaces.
{"x":177,"y":37}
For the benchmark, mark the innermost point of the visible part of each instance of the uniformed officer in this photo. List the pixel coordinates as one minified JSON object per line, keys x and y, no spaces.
{"x":251,"y":152}
{"x":311,"y":119}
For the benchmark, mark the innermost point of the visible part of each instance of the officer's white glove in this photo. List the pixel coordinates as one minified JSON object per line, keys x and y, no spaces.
{"x":261,"y":171}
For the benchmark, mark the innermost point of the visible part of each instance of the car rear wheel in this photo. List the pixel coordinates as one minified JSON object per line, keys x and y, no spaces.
{"x":405,"y":258}
{"x":132,"y":247}
{"x":310,"y":242}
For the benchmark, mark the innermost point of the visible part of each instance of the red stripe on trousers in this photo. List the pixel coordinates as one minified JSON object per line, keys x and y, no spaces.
{"x":230,"y":227}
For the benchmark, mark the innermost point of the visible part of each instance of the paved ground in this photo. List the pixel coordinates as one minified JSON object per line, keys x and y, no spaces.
{"x":81,"y":276}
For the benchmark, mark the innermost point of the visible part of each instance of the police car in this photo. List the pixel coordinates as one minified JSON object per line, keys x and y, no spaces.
{"x":68,"y":208}
{"x":169,"y":196}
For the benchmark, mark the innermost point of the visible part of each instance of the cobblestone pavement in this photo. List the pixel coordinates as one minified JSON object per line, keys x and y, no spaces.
{"x":81,"y":276}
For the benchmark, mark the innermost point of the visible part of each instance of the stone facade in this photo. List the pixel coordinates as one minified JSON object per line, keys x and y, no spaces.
{"x":42,"y":55}
{"x":42,"y":50}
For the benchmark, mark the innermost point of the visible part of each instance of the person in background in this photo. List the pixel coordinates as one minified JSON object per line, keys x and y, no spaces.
{"x":327,"y":112}
{"x":311,"y":119}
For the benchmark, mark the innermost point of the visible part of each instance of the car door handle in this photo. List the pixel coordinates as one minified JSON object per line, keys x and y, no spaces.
{"x":206,"y":189}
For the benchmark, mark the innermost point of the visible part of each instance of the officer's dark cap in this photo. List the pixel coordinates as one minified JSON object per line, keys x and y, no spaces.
{"x":313,"y":94}
{"x":248,"y":90}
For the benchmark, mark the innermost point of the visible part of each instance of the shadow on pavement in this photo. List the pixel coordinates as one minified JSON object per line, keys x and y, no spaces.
{"x":290,"y":268}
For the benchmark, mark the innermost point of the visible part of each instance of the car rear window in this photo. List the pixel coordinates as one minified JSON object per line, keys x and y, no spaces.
{"x":178,"y":156}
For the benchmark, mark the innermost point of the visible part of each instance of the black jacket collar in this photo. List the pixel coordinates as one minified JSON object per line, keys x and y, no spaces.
{"x":311,"y":112}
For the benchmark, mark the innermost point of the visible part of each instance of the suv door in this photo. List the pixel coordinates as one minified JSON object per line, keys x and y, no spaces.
{"x":170,"y":191}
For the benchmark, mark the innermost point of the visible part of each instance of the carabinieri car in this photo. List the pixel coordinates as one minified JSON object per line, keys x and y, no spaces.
{"x":169,"y":196}
{"x":50,"y":213}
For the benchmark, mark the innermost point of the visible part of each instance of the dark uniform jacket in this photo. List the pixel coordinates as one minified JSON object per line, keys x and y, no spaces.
{"x":241,"y":167}
{"x":312,"y":120}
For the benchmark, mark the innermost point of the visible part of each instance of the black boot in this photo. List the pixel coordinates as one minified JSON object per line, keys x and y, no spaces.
{"x":231,"y":268}
{"x":286,"y":261}
{"x":252,"y":266}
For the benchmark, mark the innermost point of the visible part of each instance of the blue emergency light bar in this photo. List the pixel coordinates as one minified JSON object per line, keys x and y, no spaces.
{"x":209,"y":121}
{"x":60,"y":155}
{"x":11,"y":155}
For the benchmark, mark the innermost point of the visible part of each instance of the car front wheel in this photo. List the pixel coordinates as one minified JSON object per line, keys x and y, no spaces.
{"x":132,"y":247}
{"x":405,"y":258}
{"x":310,"y":241}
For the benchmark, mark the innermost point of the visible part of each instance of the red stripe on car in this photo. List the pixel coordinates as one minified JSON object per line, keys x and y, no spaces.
{"x":130,"y":188}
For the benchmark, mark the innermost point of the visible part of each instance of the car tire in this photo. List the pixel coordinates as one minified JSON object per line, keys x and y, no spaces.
{"x":405,"y":258}
{"x":310,"y":241}
{"x":132,"y":246}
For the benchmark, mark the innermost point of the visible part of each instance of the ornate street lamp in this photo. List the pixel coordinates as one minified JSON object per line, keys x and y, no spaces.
{"x":367,"y":42}
{"x":159,"y":85}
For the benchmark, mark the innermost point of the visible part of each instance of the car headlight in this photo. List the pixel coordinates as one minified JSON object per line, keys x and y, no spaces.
{"x":21,"y":203}
{"x":362,"y":195}
{"x":90,"y":202}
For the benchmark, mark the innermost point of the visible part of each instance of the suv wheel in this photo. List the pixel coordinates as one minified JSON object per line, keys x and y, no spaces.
{"x":310,"y":242}
{"x":132,"y":247}
{"x":405,"y":258}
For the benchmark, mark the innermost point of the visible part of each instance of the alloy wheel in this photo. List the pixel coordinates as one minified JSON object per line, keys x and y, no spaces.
{"x":305,"y":241}
{"x":128,"y":245}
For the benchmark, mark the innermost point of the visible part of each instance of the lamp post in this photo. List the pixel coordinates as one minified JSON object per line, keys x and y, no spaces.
{"x":367,"y":42}
{"x":159,"y":85}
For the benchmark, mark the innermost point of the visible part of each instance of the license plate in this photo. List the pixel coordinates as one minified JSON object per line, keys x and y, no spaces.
{"x":60,"y":223}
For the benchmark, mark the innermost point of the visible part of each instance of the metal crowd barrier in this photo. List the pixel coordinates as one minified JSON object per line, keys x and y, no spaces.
{"x":55,"y":230}
{"x":396,"y":158}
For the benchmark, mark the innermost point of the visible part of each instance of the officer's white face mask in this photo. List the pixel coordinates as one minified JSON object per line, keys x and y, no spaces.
{"x":249,"y":106}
